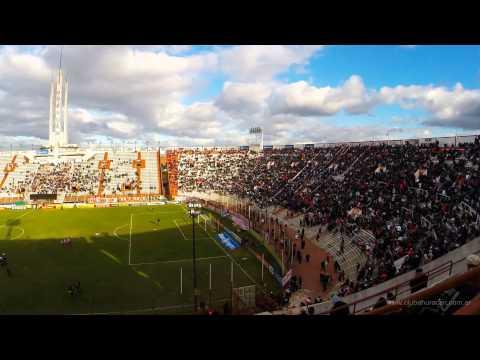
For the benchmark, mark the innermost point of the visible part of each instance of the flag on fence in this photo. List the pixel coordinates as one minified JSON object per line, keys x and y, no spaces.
{"x":287,"y":277}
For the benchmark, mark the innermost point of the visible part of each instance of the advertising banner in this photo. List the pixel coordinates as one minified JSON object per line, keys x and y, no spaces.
{"x":90,"y":206}
{"x":240,"y":221}
{"x":237,"y":238}
{"x":287,"y":277}
{"x":227,"y":241}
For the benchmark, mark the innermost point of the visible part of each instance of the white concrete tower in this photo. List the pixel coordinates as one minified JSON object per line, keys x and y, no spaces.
{"x":58,"y":134}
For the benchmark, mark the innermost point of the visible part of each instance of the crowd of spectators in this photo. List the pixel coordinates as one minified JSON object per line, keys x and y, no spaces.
{"x":73,"y":178}
{"x":212,"y":169}
{"x":419,"y":201}
{"x":52,"y":178}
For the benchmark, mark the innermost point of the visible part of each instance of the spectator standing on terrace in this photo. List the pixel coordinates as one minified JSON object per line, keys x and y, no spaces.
{"x":299,"y":256}
{"x":324,"y":279}
{"x":323,"y":266}
{"x":336,"y":266}
{"x":419,"y":282}
{"x":339,"y":307}
{"x":390,"y":298}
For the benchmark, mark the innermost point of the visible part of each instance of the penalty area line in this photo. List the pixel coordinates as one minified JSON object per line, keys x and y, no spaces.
{"x":181,"y":231}
{"x":232,"y":258}
{"x":118,"y":228}
{"x":130,"y":242}
{"x":159,"y":308}
{"x":24,"y":214}
{"x":181,"y":260}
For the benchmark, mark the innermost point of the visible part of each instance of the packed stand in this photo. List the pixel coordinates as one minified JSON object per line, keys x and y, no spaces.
{"x":418,"y":201}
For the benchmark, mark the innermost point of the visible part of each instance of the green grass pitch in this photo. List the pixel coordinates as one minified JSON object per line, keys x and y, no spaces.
{"x":120,"y":271}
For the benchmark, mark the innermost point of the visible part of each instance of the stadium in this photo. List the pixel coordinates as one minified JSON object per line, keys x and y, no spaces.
{"x":358,"y":228}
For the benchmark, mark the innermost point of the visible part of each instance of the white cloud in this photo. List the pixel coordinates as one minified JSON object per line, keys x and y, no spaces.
{"x":170,"y":49}
{"x":138,"y":93}
{"x":197,"y":121}
{"x":456,"y":107}
{"x":243,"y":97}
{"x":134,"y":83}
{"x":300,"y":98}
{"x":263,"y":62}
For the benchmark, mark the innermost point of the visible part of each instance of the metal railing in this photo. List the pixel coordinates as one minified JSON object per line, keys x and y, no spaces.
{"x":396,"y":290}
{"x":401,"y":289}
{"x":429,"y":293}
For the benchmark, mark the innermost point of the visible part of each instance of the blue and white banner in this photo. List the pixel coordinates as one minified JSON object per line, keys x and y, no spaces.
{"x":235,"y":237}
{"x":228,"y":241}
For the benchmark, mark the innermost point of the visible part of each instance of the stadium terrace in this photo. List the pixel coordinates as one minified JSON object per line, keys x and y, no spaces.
{"x":343,"y":228}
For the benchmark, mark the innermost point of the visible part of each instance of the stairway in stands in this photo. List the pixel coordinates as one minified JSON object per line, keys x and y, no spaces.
{"x":352,"y":254}
{"x":60,"y":197}
{"x":150,"y":174}
{"x":362,"y":157}
{"x":9,"y":167}
{"x":173,"y":158}
{"x":103,"y":165}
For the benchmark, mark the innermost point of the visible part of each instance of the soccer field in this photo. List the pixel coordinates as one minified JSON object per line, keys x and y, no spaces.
{"x":127,"y":259}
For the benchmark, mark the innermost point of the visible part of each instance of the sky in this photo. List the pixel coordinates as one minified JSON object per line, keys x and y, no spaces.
{"x":182,"y":95}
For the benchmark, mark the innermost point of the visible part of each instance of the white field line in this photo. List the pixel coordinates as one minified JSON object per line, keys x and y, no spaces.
{"x":14,"y":227}
{"x":19,"y":217}
{"x":118,"y":228}
{"x":231,"y":258}
{"x":181,"y":260}
{"x":181,"y":231}
{"x":171,"y":307}
{"x":22,"y":229}
{"x":130,"y":242}
{"x":19,"y":236}
{"x":156,"y":262}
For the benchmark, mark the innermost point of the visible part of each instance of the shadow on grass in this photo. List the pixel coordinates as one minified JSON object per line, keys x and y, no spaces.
{"x":43,"y":268}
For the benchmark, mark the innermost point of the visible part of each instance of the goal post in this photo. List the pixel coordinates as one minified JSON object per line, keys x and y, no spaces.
{"x":205,"y":222}
{"x":243,"y":299}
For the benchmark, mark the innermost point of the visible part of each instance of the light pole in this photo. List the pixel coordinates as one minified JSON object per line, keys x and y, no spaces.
{"x":194,"y":212}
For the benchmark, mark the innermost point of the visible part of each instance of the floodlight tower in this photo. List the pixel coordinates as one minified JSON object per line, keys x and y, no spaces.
{"x":194,"y":210}
{"x":58,"y":120}
{"x":256,"y":138}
